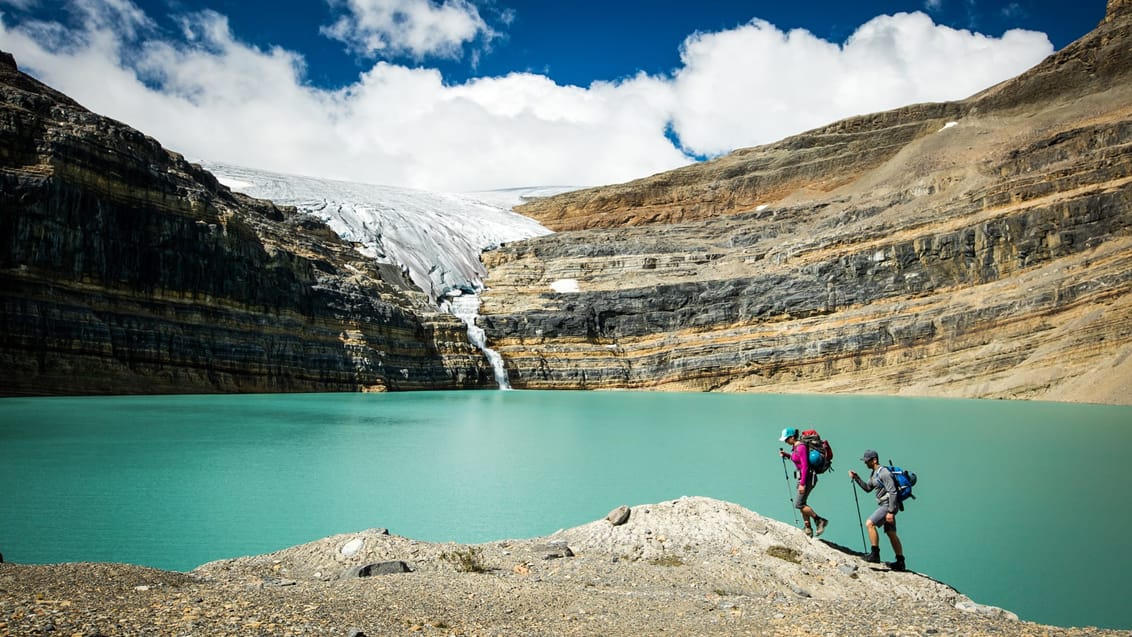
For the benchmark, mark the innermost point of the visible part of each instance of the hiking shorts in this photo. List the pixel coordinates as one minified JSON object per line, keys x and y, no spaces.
{"x":800,"y":498}
{"x":877,"y":518}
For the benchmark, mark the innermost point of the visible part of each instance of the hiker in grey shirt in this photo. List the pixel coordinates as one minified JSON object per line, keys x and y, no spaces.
{"x":888,"y":507}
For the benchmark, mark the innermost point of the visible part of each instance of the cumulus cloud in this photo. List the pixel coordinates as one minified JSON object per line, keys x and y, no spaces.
{"x":212,"y":97}
{"x":756,"y":84}
{"x":418,"y":28}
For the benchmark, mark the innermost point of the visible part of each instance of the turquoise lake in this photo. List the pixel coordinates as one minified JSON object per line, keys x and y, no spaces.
{"x":1022,"y":505}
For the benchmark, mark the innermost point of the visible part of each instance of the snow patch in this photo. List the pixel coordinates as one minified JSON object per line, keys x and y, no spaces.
{"x":565,"y":286}
{"x":234,"y":184}
{"x":947,"y":126}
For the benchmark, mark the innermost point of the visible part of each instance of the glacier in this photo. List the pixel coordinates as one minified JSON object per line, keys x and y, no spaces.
{"x":437,"y":237}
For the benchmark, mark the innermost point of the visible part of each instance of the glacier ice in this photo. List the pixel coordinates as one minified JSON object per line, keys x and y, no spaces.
{"x":437,"y":237}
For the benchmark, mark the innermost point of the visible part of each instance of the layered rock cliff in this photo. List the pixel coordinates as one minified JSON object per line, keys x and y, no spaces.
{"x":125,"y":269}
{"x":980,"y":248}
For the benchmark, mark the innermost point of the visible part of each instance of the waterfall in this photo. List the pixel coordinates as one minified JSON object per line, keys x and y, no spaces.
{"x":466,"y":307}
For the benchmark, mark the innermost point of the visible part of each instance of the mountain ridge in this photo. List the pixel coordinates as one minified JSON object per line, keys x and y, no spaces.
{"x":1076,"y":68}
{"x":977,"y":248}
{"x":974,"y":248}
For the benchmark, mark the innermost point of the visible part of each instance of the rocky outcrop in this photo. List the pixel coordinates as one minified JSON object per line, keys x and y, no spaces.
{"x":980,"y":248}
{"x":1118,"y":8}
{"x":728,"y":546}
{"x":693,"y":566}
{"x":125,"y":269}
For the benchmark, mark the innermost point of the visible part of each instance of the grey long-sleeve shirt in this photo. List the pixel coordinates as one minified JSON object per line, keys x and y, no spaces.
{"x":886,"y":495}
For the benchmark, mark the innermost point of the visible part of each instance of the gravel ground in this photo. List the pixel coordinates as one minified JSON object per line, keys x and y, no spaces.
{"x":694,"y":566}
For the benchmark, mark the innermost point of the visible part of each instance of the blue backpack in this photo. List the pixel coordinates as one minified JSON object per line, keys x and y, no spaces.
{"x":904,"y":480}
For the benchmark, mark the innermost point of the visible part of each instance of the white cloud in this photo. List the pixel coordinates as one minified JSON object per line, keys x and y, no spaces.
{"x":756,"y":84}
{"x":214,"y":97}
{"x":419,"y":28}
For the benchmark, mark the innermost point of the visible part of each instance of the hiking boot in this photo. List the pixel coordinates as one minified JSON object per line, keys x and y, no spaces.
{"x":822,"y":522}
{"x":808,"y":531}
{"x":898,"y":565}
{"x":873,"y":556}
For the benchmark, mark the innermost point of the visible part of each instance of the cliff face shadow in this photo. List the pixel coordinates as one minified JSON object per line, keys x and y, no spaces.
{"x":859,"y":554}
{"x":844,"y":549}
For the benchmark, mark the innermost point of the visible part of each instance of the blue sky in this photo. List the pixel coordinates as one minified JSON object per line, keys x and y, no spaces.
{"x":477,"y":94}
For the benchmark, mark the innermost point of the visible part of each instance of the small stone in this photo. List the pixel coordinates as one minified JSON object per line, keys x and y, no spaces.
{"x":618,"y":516}
{"x":557,"y":549}
{"x":969,"y":606}
{"x":352,"y":547}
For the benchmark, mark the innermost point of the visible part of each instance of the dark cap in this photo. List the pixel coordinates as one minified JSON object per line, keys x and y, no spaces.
{"x":869,"y":455}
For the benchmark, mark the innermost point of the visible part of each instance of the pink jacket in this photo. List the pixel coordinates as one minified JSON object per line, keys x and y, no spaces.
{"x":801,"y":459}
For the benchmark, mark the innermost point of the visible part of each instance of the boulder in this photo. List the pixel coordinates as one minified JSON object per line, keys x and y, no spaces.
{"x":618,"y":516}
{"x":377,"y":568}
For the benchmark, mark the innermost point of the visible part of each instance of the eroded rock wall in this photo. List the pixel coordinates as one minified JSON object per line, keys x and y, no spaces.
{"x":980,"y":248}
{"x":125,"y":269}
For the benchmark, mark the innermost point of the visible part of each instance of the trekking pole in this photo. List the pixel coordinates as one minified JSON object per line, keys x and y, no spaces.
{"x":789,"y":493}
{"x":859,"y":522}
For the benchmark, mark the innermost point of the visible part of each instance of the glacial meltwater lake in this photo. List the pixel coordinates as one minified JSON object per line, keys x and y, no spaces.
{"x":1022,"y":505}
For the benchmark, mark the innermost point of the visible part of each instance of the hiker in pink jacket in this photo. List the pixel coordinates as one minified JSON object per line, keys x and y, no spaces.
{"x":807,"y":480}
